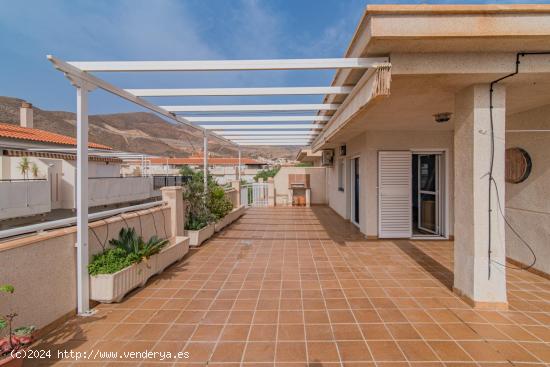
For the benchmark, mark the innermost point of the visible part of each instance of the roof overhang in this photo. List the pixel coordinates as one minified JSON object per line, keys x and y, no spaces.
{"x":472,"y":43}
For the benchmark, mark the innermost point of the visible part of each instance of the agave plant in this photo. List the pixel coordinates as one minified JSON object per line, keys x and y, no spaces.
{"x":128,"y":240}
{"x":152,"y":247}
{"x":134,"y":245}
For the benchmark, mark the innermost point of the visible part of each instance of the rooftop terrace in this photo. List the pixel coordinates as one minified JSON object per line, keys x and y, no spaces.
{"x":302,"y":287}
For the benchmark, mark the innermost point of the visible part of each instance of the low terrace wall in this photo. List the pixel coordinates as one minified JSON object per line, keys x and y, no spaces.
{"x":42,"y":267}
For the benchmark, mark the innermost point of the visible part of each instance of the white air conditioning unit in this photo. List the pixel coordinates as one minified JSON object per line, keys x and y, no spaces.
{"x":327,"y":157}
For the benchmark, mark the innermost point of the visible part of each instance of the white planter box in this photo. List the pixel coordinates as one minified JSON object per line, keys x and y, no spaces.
{"x":108,"y":288}
{"x":177,"y":249}
{"x":236,"y":213}
{"x":222,"y":223}
{"x":198,"y":237}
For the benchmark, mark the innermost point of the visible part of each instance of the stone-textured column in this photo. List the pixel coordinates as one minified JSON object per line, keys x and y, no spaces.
{"x":479,"y":281}
{"x":270,"y":192}
{"x":173,"y":196}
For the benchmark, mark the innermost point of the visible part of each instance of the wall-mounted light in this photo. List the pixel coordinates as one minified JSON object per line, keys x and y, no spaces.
{"x":442,"y":117}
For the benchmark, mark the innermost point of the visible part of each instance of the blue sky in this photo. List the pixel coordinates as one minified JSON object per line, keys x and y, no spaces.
{"x":171,"y":30}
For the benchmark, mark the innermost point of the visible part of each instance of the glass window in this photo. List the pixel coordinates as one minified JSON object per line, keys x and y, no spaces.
{"x":341,"y":174}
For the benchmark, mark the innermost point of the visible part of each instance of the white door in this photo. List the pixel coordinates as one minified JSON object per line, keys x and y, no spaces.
{"x":394,"y":194}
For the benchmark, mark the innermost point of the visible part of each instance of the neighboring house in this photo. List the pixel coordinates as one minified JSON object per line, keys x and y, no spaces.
{"x":51,"y":184}
{"x":224,"y":170}
{"x":412,"y":149}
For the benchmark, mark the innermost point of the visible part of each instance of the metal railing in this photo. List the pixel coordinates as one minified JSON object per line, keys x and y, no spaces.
{"x":163,"y":181}
{"x":71,"y":221}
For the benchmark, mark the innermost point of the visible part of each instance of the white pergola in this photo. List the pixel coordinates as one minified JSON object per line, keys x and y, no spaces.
{"x":270,"y":124}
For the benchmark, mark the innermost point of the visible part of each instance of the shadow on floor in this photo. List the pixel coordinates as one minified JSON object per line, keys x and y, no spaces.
{"x":437,"y":270}
{"x":338,"y":229}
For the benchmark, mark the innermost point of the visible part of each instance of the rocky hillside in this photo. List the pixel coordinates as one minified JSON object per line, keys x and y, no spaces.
{"x":140,"y":132}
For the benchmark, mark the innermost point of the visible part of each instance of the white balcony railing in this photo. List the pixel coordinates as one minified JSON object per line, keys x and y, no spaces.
{"x":19,"y":198}
{"x":114,"y":190}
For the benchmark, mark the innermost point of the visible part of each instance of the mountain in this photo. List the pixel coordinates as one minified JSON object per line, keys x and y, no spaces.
{"x":139,"y":132}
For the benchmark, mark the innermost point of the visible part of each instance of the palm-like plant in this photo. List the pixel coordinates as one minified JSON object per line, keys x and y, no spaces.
{"x":34,"y":170}
{"x":128,"y":240}
{"x":135,"y":246}
{"x":24,"y":166}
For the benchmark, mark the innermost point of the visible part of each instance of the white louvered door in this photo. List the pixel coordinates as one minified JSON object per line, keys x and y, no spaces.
{"x":394,"y":194}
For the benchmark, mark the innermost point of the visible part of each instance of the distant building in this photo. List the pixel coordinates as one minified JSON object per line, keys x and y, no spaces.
{"x":222,"y":169}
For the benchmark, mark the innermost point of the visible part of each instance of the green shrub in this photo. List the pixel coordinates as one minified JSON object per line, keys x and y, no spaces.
{"x":218,"y":203}
{"x":110,"y":261}
{"x":128,"y":249}
{"x":266,"y":173}
{"x":202,"y":208}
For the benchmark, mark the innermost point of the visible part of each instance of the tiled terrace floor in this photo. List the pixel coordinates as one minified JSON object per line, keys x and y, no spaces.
{"x":300,"y":287}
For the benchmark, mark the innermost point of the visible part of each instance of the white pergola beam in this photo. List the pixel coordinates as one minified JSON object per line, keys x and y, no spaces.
{"x":264,"y":127}
{"x":76,"y":75}
{"x":275,"y":144}
{"x":271,"y":136}
{"x":255,"y":118}
{"x":268,"y":91}
{"x":242,"y":138}
{"x":230,"y":65}
{"x":228,"y":134}
{"x":254,"y":107}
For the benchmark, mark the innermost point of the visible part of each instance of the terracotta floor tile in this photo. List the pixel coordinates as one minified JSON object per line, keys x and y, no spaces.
{"x":151,"y":332}
{"x":322,"y":352}
{"x":265,"y":317}
{"x":513,"y":351}
{"x":228,"y":352}
{"x":417,"y":351}
{"x":316,"y":317}
{"x":261,"y":332}
{"x":319,"y":332}
{"x":260,"y":352}
{"x":385,"y":351}
{"x":291,"y":317}
{"x":481,"y":351}
{"x":431,"y":332}
{"x":449,"y":351}
{"x":347,"y":332}
{"x":375,"y":332}
{"x":235,"y":333}
{"x":353,"y":351}
{"x":207,"y":333}
{"x":291,"y":332}
{"x":179,"y":332}
{"x":403,"y":331}
{"x":290,"y":352}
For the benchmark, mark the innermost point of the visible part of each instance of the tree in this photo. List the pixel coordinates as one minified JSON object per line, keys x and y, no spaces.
{"x":24,"y":167}
{"x":34,"y":170}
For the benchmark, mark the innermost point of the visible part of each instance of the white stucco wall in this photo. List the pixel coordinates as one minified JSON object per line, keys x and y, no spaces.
{"x":528,"y":203}
{"x":366,"y":146}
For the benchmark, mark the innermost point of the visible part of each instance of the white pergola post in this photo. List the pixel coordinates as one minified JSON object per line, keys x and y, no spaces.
{"x":82,"y":251}
{"x":239,"y":166}
{"x":205,"y":161}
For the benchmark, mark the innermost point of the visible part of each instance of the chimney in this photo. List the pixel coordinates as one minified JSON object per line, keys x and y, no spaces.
{"x":26,"y":116}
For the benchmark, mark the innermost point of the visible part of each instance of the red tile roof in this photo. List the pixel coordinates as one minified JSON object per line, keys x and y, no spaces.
{"x":198,"y":160}
{"x":24,"y":133}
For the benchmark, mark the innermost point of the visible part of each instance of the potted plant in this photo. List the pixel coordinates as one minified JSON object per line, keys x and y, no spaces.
{"x":16,"y":339}
{"x":220,"y":206}
{"x":199,"y":223}
{"x":129,"y":262}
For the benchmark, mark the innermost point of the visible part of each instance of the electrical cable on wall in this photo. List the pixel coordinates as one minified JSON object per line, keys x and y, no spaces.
{"x":492,"y":180}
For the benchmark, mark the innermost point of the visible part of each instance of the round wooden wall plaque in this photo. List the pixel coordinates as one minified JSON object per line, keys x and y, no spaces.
{"x":518,"y":165}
